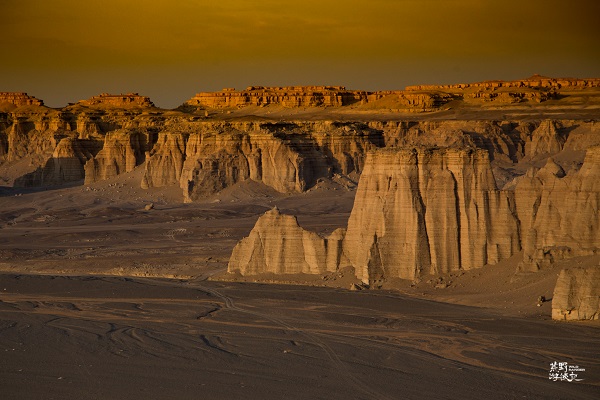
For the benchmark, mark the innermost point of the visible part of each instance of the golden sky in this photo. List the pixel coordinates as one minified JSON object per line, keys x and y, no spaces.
{"x":66,"y":50}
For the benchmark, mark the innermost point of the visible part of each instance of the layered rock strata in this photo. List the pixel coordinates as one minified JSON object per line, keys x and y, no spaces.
{"x":278,"y":245}
{"x":535,"y":81}
{"x":19,"y":99}
{"x":290,"y":96}
{"x":419,"y":98}
{"x":204,"y":157}
{"x":118,"y":100}
{"x":200,"y":157}
{"x":577,"y":294}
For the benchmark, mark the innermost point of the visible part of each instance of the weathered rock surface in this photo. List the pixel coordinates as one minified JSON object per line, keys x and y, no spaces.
{"x":123,"y":150}
{"x":277,"y":244}
{"x":164,"y":162}
{"x":420,"y":211}
{"x":577,"y":294}
{"x":559,"y":214}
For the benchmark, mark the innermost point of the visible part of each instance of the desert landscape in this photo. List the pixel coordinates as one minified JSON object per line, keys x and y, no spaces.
{"x":440,"y":241}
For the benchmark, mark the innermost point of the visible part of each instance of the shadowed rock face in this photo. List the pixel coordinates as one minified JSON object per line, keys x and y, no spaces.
{"x":216,"y":160}
{"x":65,"y":165}
{"x":278,"y":245}
{"x":200,"y":157}
{"x":577,"y":294}
{"x":421,"y":211}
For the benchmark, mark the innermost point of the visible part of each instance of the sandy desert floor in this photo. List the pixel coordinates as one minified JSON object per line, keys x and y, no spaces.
{"x":71,"y":327}
{"x":139,"y":338}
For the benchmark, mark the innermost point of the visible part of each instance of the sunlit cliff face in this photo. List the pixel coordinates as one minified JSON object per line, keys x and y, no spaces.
{"x":70,"y":49}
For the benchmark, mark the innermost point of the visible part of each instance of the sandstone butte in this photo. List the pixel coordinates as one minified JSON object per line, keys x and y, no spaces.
{"x":18,"y":99}
{"x":118,"y":100}
{"x":434,"y":194}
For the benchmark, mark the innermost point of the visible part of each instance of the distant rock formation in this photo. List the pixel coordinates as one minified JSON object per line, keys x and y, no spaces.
{"x":398,"y":99}
{"x":536,"y":89}
{"x":23,"y":140}
{"x":288,"y":156}
{"x":535,"y":81}
{"x":577,"y":294}
{"x":318,"y":96}
{"x":278,"y":245}
{"x":417,"y":98}
{"x":87,"y":126}
{"x":19,"y":99}
{"x":118,"y":100}
{"x":289,"y":96}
